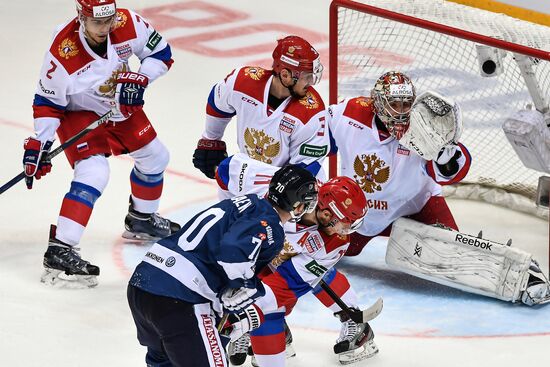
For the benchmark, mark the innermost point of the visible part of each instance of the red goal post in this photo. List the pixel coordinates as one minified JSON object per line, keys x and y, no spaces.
{"x":434,"y":42}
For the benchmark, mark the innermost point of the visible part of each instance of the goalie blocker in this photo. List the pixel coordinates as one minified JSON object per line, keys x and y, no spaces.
{"x":465,"y":262}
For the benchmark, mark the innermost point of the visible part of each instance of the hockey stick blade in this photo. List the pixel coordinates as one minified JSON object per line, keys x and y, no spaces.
{"x":101,"y":120}
{"x":356,"y":315}
{"x":370,"y":313}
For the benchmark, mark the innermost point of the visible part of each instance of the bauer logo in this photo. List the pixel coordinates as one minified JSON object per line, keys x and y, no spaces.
{"x":473,"y":241}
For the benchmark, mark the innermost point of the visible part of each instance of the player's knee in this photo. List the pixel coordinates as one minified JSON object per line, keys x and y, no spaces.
{"x":152,"y":158}
{"x":93,"y":171}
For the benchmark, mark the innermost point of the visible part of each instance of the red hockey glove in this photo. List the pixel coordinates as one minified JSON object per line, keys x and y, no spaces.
{"x":129,"y":92}
{"x":36,"y":162}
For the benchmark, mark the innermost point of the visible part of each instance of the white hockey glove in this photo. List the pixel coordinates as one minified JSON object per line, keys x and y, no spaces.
{"x":236,"y":299}
{"x":238,"y":324}
{"x":436,"y":122}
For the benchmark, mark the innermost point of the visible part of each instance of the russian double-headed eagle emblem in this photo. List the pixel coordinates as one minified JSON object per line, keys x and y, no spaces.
{"x":261,"y":146}
{"x":108,"y":88}
{"x":309,"y":101}
{"x":120,"y":20}
{"x":370,"y":171}
{"x":286,"y":253}
{"x":254,"y":73}
{"x":67,"y":48}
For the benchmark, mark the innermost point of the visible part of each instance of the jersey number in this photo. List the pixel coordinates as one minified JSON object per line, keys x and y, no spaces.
{"x":187,"y":240}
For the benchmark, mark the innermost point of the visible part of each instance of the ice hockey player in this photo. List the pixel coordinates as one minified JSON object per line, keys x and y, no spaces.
{"x":313,"y":246}
{"x":280,"y":116}
{"x":401,"y":149}
{"x":210,"y":266}
{"x":85,"y":74}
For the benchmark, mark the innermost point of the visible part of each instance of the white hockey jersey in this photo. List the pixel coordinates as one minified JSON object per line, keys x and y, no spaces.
{"x":306,"y":256}
{"x":293,"y":133}
{"x":75,"y":78}
{"x":396,"y":181}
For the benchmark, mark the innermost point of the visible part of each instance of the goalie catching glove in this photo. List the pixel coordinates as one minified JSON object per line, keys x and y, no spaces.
{"x":435,"y":123}
{"x":238,"y":324}
{"x":208,"y":155}
{"x":36,"y":162}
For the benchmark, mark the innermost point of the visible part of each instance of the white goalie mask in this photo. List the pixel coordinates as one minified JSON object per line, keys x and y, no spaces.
{"x":393,"y":95}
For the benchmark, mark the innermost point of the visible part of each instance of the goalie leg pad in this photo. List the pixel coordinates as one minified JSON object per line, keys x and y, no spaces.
{"x":458,"y":260}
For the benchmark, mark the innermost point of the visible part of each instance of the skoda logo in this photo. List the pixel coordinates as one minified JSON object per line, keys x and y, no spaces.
{"x":170,"y":261}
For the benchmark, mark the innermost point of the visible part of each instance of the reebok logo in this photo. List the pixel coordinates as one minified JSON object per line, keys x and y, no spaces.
{"x":473,"y":241}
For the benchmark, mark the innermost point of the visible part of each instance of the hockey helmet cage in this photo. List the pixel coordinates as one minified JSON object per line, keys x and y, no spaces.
{"x":291,"y":186}
{"x":299,"y":56}
{"x":393,"y":95}
{"x":343,"y":197}
{"x":96,"y":8}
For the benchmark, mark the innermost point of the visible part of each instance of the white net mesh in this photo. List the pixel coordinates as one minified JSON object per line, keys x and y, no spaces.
{"x":369,"y":45}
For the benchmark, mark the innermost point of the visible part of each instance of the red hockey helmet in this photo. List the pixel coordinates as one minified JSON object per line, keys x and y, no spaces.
{"x":393,"y":96}
{"x":96,"y":8}
{"x":297,"y":55}
{"x":343,"y":197}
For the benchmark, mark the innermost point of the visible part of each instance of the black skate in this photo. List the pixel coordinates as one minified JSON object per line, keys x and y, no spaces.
{"x":63,"y":266}
{"x":238,"y":350}
{"x":356,"y":340}
{"x":147,"y":227}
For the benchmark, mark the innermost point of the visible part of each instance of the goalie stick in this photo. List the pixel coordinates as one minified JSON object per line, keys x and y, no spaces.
{"x":101,"y":120}
{"x":359,"y":316}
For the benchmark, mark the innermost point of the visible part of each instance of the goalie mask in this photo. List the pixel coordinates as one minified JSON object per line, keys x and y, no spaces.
{"x":292,"y":186}
{"x":345,"y":200}
{"x":298,"y":55}
{"x":393,"y":96}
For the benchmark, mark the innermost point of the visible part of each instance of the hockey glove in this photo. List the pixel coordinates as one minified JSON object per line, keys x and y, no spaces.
{"x":129,"y":92}
{"x":36,"y":161}
{"x":447,"y":160}
{"x":238,"y":324}
{"x":236,"y":299}
{"x":208,"y":155}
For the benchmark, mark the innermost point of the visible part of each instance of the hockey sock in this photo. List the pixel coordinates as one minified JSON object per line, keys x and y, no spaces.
{"x":146,"y":190}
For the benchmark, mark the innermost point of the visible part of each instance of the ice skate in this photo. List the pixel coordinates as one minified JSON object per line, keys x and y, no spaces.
{"x":147,"y":226}
{"x":356,"y":341}
{"x":238,"y":350}
{"x":64,"y":268}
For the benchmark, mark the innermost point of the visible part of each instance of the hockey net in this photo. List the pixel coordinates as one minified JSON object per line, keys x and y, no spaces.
{"x":434,"y":42}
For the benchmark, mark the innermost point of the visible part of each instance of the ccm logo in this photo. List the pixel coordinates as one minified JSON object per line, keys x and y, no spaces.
{"x":144,"y":130}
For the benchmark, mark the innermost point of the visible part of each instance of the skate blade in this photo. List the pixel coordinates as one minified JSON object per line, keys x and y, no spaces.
{"x":139,"y":237}
{"x":368,"y":350}
{"x":290,"y":352}
{"x":58,"y":279}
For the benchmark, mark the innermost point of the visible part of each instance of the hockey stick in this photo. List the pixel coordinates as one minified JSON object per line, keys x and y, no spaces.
{"x":62,"y":147}
{"x":359,"y":316}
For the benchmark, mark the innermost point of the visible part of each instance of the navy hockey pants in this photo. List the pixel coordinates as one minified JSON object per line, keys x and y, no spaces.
{"x":176,"y":333}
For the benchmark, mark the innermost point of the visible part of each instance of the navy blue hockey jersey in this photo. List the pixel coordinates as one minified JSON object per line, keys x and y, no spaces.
{"x":224,"y":246}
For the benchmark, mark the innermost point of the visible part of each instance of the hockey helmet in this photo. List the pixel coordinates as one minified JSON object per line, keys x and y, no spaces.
{"x":298,"y":55}
{"x":292,"y":186}
{"x":393,"y":96}
{"x":96,"y":8}
{"x":343,"y":197}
